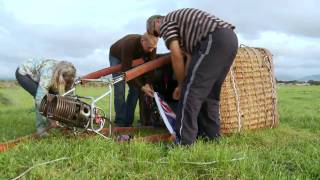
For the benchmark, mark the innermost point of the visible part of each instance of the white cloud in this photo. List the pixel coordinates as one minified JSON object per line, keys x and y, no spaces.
{"x":295,"y":56}
{"x":82,"y":31}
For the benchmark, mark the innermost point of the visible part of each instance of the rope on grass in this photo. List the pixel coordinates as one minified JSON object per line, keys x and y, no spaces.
{"x":41,"y":164}
{"x":212,"y":162}
{"x":194,"y":162}
{"x":100,"y":134}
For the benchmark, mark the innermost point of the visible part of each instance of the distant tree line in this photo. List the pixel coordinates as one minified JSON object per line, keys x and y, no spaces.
{"x":310,"y":82}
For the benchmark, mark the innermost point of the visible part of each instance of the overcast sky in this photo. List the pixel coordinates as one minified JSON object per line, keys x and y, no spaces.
{"x":82,"y":31}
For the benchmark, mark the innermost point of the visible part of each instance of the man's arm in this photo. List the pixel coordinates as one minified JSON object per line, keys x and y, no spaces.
{"x":177,"y":61}
{"x":42,"y":90}
{"x":147,"y":87}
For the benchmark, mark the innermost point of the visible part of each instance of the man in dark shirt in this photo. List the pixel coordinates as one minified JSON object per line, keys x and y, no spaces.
{"x":123,"y":52}
{"x":212,"y":45}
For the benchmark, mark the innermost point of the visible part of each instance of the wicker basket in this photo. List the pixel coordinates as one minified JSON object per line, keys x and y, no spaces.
{"x":248,"y":96}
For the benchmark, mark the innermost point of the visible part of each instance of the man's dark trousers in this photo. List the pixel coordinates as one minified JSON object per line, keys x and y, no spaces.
{"x":200,"y":95}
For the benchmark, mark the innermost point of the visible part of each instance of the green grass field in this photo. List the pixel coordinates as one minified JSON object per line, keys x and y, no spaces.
{"x":290,"y":151}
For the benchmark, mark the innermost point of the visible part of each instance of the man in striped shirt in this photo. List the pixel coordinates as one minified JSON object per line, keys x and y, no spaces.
{"x":211,"y":45}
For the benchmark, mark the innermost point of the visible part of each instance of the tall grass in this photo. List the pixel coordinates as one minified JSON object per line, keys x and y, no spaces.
{"x":290,"y":151}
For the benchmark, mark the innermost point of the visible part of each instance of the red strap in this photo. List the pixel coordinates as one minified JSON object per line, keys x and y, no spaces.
{"x":10,"y":144}
{"x":153,"y":138}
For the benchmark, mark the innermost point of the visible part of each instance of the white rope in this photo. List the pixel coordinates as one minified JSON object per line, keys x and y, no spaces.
{"x":261,"y":61}
{"x":100,"y":134}
{"x":235,"y":90}
{"x":193,"y":162}
{"x":211,"y":162}
{"x":243,"y":45}
{"x":34,"y":166}
{"x":272,"y":80}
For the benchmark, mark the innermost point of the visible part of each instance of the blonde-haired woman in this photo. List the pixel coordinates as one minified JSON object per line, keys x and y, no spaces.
{"x":42,"y":76}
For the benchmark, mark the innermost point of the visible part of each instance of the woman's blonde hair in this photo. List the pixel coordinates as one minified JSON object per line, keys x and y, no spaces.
{"x":59,"y":84}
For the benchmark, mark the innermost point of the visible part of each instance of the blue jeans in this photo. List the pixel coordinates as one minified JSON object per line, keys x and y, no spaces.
{"x":124,"y":109}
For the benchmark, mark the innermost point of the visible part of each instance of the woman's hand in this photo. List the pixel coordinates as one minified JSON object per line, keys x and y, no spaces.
{"x":53,"y":123}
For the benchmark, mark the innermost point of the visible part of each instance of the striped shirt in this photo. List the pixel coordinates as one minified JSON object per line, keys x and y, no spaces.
{"x":189,"y":26}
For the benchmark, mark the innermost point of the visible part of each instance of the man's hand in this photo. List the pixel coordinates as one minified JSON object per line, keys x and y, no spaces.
{"x":148,"y":90}
{"x":176,"y":93}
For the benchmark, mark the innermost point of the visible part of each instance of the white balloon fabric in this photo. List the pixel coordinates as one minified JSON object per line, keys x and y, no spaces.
{"x":166,"y":113}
